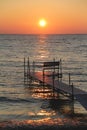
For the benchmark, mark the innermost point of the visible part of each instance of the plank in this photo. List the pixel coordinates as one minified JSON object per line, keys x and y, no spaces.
{"x":58,"y":84}
{"x":79,"y":94}
{"x":82,"y":99}
{"x":55,"y":63}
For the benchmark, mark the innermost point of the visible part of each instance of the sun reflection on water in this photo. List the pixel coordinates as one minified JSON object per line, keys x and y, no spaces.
{"x":48,"y":121}
{"x":41,"y":51}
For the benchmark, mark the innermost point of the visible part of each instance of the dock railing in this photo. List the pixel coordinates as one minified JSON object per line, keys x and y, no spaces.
{"x":50,"y":73}
{"x":49,"y":69}
{"x":52,"y":69}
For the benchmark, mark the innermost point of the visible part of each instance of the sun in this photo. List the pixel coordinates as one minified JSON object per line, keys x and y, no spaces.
{"x":42,"y":23}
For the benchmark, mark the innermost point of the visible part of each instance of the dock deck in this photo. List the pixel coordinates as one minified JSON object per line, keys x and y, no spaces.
{"x":58,"y":85}
{"x":61,"y":87}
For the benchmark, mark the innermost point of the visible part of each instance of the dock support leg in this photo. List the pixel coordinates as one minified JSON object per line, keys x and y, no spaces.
{"x":53,"y":84}
{"x":28,"y":72}
{"x":43,"y":77}
{"x":53,"y":80}
{"x":60,"y":71}
{"x":24,"y":71}
{"x":72,"y":99}
{"x":33,"y":65}
{"x":72,"y":92}
{"x":69,"y":79}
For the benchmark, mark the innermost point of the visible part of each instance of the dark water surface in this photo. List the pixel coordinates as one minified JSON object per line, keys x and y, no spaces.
{"x":21,"y":107}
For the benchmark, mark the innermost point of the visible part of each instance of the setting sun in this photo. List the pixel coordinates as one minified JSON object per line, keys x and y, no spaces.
{"x":44,"y":16}
{"x":42,"y":22}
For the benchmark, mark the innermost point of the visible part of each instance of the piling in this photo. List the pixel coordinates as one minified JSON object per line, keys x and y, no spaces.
{"x":24,"y":70}
{"x":28,"y":68}
{"x":69,"y":79}
{"x":72,"y":92}
{"x":33,"y":65}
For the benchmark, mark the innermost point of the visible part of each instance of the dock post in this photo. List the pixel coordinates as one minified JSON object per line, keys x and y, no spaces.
{"x":24,"y":70}
{"x":43,"y":78}
{"x":28,"y":67}
{"x":54,"y":65}
{"x":27,"y":71}
{"x":53,"y":76}
{"x":60,"y":69}
{"x":53,"y":79}
{"x":69,"y":79}
{"x":72,"y":99}
{"x":33,"y":67}
{"x":72,"y":92}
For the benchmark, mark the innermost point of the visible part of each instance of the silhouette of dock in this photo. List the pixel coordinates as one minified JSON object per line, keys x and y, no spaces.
{"x":50,"y":73}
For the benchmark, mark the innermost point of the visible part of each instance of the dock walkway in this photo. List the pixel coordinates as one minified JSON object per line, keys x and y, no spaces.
{"x":49,"y":78}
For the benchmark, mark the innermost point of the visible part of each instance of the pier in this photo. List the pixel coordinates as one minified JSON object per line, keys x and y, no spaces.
{"x":50,"y":73}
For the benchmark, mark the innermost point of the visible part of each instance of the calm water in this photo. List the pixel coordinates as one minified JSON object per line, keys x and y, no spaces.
{"x":21,"y":105}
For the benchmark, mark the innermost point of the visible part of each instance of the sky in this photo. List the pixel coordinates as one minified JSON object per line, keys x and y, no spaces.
{"x":62,"y":16}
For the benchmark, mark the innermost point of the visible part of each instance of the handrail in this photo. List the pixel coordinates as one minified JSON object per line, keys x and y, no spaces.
{"x":48,"y":64}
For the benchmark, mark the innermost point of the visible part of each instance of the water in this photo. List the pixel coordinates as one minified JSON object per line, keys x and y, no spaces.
{"x":22,"y":106}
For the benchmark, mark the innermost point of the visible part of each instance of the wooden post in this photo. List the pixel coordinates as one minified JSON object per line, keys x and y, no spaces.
{"x":53,"y":79}
{"x":72,"y":99}
{"x":54,"y":65}
{"x":61,"y":68}
{"x":33,"y":67}
{"x":72,"y":92}
{"x":28,"y":67}
{"x":43,"y":77}
{"x":69,"y":79}
{"x":27,"y":72}
{"x":53,"y":76}
{"x":24,"y":70}
{"x":58,"y":70}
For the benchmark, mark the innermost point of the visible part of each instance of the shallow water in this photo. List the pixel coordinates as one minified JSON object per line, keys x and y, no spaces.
{"x":22,"y":104}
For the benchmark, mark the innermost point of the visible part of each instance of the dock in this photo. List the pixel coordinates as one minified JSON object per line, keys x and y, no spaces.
{"x":50,"y":73}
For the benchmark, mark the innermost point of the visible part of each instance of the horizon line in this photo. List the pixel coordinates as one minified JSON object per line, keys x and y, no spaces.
{"x":43,"y":34}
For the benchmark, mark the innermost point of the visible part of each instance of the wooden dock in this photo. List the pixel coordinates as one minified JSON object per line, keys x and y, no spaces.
{"x":50,"y":73}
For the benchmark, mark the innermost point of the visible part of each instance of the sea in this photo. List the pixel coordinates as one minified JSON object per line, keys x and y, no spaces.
{"x":25,"y":106}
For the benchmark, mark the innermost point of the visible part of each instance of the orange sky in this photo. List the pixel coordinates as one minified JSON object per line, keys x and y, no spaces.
{"x":62,"y":16}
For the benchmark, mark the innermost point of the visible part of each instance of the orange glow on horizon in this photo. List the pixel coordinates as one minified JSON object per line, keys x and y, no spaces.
{"x":62,"y":17}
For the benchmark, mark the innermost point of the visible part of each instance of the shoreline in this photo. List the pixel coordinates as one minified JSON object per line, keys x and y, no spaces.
{"x":54,"y":124}
{"x":44,"y":127}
